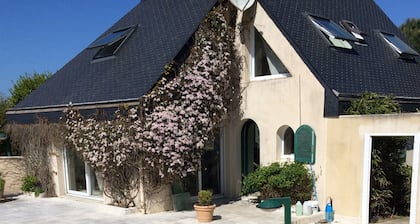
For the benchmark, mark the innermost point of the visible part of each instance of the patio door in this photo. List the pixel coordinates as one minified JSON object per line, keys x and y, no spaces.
{"x":411,"y":155}
{"x":80,"y":178}
{"x":209,"y":176}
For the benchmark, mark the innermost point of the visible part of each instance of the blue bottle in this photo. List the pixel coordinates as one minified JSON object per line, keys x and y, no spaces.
{"x":329,"y":212}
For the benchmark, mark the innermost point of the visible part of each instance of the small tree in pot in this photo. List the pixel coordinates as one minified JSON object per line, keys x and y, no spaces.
{"x":204,"y":208}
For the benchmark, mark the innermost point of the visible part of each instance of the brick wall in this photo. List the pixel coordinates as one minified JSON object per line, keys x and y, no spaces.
{"x":13,"y":170}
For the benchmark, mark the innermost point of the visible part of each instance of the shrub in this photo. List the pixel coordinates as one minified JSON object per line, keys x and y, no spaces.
{"x":280,"y":180}
{"x":204,"y":197}
{"x":32,"y":184}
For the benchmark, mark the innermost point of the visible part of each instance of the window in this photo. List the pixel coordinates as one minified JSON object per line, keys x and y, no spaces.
{"x":285,"y":143}
{"x":355,"y":31}
{"x":111,"y":43}
{"x":399,"y":46}
{"x":264,"y":62}
{"x":336,"y":35}
{"x":81,"y":179}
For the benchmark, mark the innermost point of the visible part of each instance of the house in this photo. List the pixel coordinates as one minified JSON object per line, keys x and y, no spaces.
{"x":303,"y":61}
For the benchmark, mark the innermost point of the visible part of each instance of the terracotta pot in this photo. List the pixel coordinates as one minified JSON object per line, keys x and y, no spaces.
{"x":204,"y":213}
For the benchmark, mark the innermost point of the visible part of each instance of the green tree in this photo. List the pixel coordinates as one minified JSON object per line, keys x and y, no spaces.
{"x":25,"y":85}
{"x":411,"y":30}
{"x":4,"y":105}
{"x":373,"y":103}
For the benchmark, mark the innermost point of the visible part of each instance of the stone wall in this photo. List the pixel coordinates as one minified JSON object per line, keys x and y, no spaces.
{"x":13,"y":170}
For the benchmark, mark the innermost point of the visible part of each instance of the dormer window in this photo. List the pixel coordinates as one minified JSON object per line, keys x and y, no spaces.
{"x":111,"y":43}
{"x":336,"y":35}
{"x":264,"y":62}
{"x":399,"y":46}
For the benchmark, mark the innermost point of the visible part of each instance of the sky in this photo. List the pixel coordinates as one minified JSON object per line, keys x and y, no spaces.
{"x":42,"y":36}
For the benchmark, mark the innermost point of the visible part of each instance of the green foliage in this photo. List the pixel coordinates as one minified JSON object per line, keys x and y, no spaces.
{"x":411,"y":30}
{"x":4,"y":105}
{"x":2,"y":182}
{"x":25,"y":85}
{"x":204,"y":197}
{"x":373,"y":103}
{"x":390,"y":177}
{"x":380,"y":193}
{"x":32,"y":184}
{"x":279,"y":180}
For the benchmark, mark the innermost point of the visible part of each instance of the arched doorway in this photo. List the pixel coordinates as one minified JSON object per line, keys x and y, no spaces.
{"x":250,"y":147}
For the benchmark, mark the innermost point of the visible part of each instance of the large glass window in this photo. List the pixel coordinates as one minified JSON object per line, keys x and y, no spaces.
{"x":264,"y":62}
{"x":81,"y":179}
{"x":398,"y":45}
{"x":209,"y":176}
{"x":337,"y":36}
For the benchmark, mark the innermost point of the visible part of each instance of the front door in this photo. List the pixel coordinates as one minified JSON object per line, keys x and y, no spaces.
{"x":250,"y":148}
{"x":80,"y":177}
{"x":209,"y":176}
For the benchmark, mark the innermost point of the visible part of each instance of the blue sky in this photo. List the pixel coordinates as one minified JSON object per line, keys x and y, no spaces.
{"x":40,"y":36}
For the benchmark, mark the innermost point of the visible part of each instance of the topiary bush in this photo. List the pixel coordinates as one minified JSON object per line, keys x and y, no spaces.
{"x":204,"y":197}
{"x":280,"y":180}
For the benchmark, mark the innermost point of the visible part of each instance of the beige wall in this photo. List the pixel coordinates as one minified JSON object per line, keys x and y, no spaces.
{"x":57,"y":169}
{"x":295,"y":101}
{"x":273,"y":103}
{"x":13,"y":170}
{"x":345,"y":156}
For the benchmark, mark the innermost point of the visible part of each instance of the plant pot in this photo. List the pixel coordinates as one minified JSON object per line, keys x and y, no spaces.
{"x":204,"y":213}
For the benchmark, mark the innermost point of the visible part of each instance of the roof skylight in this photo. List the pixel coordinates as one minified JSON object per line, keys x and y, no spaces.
{"x":331,"y":28}
{"x":111,"y":42}
{"x":111,"y":38}
{"x":398,"y":45}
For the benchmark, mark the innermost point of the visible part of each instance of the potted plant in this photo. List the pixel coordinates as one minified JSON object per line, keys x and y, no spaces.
{"x":204,"y":208}
{"x":32,"y":186}
{"x":2,"y":183}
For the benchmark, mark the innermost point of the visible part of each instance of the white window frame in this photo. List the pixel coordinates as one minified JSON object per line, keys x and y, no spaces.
{"x":252,"y":62}
{"x":281,"y":146}
{"x":88,"y":177}
{"x":367,"y":169}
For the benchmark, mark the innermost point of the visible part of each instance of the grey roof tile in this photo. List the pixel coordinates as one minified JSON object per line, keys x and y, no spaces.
{"x":164,"y":27}
{"x":374,"y":68}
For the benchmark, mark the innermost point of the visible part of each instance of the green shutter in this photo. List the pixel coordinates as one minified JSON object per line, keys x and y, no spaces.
{"x":305,"y":143}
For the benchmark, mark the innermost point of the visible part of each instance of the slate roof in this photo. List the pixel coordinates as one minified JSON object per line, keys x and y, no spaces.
{"x":374,"y":68}
{"x":164,"y":28}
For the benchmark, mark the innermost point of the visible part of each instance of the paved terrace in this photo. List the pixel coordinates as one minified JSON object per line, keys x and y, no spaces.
{"x":25,"y":209}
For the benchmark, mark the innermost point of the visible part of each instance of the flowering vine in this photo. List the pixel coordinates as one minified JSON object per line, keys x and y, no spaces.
{"x":167,"y":131}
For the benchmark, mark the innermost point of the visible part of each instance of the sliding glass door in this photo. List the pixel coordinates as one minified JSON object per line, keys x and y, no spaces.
{"x":81,"y":179}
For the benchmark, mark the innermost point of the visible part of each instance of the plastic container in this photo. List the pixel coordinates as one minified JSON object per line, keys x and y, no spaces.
{"x":329,"y":211}
{"x":314,"y":206}
{"x":307,"y":208}
{"x":299,"y":208}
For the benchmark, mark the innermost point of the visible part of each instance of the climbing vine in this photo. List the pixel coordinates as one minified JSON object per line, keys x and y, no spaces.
{"x":34,"y":143}
{"x":165,"y":134}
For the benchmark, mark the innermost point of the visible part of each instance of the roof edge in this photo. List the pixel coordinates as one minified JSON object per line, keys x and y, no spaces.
{"x":80,"y":106}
